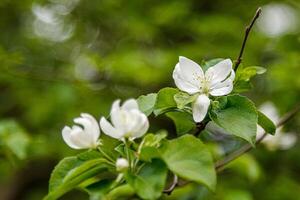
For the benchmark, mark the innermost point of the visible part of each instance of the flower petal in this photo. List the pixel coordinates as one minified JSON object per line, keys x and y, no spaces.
{"x":219,"y":72}
{"x":190,"y":70}
{"x":232,"y":75}
{"x":115,"y":114}
{"x":109,"y":130}
{"x":222,"y":88}
{"x":95,"y":125}
{"x":66,"y":134}
{"x":142,"y":125}
{"x":182,"y":83}
{"x":81,"y":138}
{"x":130,"y":104}
{"x":200,"y":107}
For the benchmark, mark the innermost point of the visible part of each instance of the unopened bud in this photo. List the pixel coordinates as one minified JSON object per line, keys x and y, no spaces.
{"x":122,"y":164}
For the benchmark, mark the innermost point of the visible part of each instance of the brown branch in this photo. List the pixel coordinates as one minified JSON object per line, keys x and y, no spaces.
{"x":247,"y":31}
{"x":222,"y":163}
{"x":200,"y":127}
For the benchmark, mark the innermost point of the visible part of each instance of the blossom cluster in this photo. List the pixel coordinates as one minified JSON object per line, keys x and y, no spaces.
{"x":128,"y":122}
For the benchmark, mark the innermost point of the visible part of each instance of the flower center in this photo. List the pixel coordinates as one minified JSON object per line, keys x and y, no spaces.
{"x":205,"y":85}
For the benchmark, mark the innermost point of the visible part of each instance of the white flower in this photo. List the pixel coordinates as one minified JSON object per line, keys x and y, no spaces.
{"x":127,"y":121}
{"x":122,"y":164}
{"x":84,"y":136}
{"x":216,"y":81}
{"x":280,"y":140}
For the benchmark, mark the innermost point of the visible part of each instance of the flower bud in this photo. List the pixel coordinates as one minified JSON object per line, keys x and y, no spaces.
{"x":122,"y":164}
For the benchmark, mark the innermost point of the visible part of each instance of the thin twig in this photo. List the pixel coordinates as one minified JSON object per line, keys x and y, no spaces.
{"x":219,"y":166}
{"x":172,"y":186}
{"x":247,"y":31}
{"x":234,"y":155}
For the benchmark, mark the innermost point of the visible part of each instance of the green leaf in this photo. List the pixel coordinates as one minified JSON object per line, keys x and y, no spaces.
{"x":150,"y":181}
{"x":153,"y":140}
{"x":246,"y":73}
{"x":242,"y":86}
{"x":121,"y":191}
{"x":266,"y":123}
{"x":182,"y":99}
{"x":71,"y":172}
{"x":148,"y":147}
{"x":146,"y":103}
{"x":183,"y":122}
{"x":239,"y":117}
{"x":165,"y":101}
{"x":14,"y":138}
{"x":243,"y":76}
{"x":61,"y":170}
{"x":189,"y":158}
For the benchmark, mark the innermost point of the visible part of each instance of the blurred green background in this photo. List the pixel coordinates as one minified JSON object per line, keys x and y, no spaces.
{"x":59,"y":58}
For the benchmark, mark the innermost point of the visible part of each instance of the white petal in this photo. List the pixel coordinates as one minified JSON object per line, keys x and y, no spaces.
{"x":87,"y":128}
{"x":115,"y":113}
{"x":182,"y":83}
{"x":66,"y":134}
{"x":109,"y":130}
{"x":130,"y":104}
{"x":222,"y":88}
{"x":219,"y":72}
{"x":232,"y":75}
{"x":200,"y":107}
{"x":190,"y":69}
{"x":95,"y":125}
{"x":141,"y":125}
{"x":81,"y":138}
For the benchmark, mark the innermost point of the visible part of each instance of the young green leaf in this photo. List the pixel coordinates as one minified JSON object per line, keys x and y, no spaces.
{"x":165,"y":101}
{"x":266,"y":123}
{"x":243,"y":76}
{"x":183,"y":122}
{"x":182,"y":99}
{"x":71,"y":172}
{"x":189,"y":158}
{"x":239,"y":117}
{"x":150,"y":181}
{"x":148,"y":147}
{"x":146,"y":103}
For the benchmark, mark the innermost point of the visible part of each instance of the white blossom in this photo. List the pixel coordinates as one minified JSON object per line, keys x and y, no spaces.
{"x":216,"y":81}
{"x":127,"y":121}
{"x":280,"y":140}
{"x":122,"y":164}
{"x":84,"y":135}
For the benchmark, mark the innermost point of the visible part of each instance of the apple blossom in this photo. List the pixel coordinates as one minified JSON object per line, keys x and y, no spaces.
{"x":127,"y":121}
{"x":84,"y":136}
{"x":216,"y":81}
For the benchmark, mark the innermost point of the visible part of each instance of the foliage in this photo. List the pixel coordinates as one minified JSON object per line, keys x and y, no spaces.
{"x":118,"y":49}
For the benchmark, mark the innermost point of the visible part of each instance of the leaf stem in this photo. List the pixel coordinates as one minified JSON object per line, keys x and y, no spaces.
{"x":127,"y":153}
{"x":247,"y":31}
{"x":110,"y":160}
